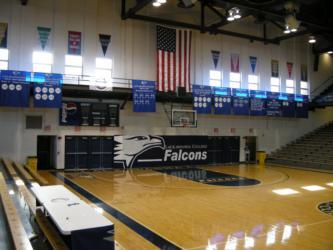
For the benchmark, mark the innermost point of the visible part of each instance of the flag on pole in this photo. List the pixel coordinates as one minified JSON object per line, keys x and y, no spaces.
{"x":173,"y":58}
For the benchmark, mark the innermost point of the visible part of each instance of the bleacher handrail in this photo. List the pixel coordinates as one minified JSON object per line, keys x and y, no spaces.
{"x":318,"y":90}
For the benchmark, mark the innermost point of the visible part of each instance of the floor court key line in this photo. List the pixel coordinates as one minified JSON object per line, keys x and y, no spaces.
{"x":149,"y":235}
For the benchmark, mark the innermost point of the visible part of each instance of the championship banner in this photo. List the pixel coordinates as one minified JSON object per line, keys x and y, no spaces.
{"x":70,"y":114}
{"x":240,"y":101}
{"x":302,"y":106}
{"x":289,"y":69}
{"x":43,"y":33}
{"x":104,"y":40}
{"x":49,"y":93}
{"x":287,"y":105}
{"x":253,"y":63}
{"x":202,"y":99}
{"x":275,"y":68}
{"x":74,"y":43}
{"x":257,"y":103}
{"x":216,"y":57}
{"x":15,"y":90}
{"x":304,"y":73}
{"x":273,"y":105}
{"x":3,"y":35}
{"x":222,"y":101}
{"x":144,"y":96}
{"x":234,"y":62}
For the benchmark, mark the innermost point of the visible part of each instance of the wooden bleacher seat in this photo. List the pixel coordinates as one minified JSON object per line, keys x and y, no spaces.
{"x":19,"y":236}
{"x":36,"y":176}
{"x":22,"y":172}
{"x":51,"y":234}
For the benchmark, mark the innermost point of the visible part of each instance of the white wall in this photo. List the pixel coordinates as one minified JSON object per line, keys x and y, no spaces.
{"x":133,"y":50}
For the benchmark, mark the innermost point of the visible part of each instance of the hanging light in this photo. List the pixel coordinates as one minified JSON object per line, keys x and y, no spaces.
{"x":162,"y":1}
{"x":156,"y":4}
{"x":231,"y":17}
{"x":287,"y":30}
{"x":312,"y":39}
{"x":293,"y":30}
{"x":237,"y":13}
{"x":330,"y":52}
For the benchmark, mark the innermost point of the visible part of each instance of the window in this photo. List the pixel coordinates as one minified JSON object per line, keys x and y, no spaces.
{"x":42,"y":61}
{"x":235,"y":80}
{"x":290,"y":86}
{"x":253,"y":82}
{"x":275,"y":84}
{"x":103,"y":69}
{"x":73,"y":65}
{"x":4,"y":56}
{"x":304,"y":88}
{"x":215,"y":78}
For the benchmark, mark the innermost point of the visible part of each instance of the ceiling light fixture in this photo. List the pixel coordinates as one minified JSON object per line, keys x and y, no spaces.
{"x":330,"y":52}
{"x":237,"y":13}
{"x":287,"y":30}
{"x":156,"y":4}
{"x":161,"y":1}
{"x":312,"y":39}
{"x":234,"y":13}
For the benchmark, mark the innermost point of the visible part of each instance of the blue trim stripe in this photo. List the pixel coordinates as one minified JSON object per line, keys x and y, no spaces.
{"x":135,"y":226}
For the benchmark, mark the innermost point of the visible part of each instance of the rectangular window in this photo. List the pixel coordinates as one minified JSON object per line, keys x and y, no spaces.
{"x":253,"y":82}
{"x":235,"y":80}
{"x":275,"y":84}
{"x":290,"y":86}
{"x":42,"y":61}
{"x":4,"y":57}
{"x":73,"y":65}
{"x":103,"y":69}
{"x":215,"y":78}
{"x":304,"y":88}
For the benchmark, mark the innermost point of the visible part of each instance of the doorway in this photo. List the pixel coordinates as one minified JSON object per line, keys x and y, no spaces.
{"x":251,"y":145}
{"x":46,"y":152}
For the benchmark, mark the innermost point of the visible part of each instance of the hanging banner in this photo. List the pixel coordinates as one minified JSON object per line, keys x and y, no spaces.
{"x":289,"y":69}
{"x":104,"y":40}
{"x":3,"y":35}
{"x":253,"y":63}
{"x":216,"y":57}
{"x":15,"y":90}
{"x":258,"y":103}
{"x":43,"y":33}
{"x":222,"y":101}
{"x":240,"y":101}
{"x":144,"y":96}
{"x":273,"y":104}
{"x":304,"y":73}
{"x":275,"y":68}
{"x":74,"y":43}
{"x":202,"y":99}
{"x":49,"y":93}
{"x":287,"y":105}
{"x":234,"y":60}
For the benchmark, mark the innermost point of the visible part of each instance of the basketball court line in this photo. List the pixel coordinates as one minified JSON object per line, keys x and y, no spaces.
{"x":146,"y":233}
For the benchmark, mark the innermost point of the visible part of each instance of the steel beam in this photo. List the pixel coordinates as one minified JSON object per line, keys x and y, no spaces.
{"x":140,"y":5}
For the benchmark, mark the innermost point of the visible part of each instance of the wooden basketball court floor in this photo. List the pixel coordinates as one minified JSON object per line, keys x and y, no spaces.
{"x":154,"y":210}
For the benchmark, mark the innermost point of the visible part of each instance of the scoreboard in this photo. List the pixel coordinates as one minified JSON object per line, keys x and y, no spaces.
{"x":89,"y":114}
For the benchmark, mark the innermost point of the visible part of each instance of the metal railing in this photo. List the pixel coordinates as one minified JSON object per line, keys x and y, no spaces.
{"x":317,"y":91}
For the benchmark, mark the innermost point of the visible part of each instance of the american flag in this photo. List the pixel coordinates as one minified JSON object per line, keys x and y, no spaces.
{"x":173,"y":58}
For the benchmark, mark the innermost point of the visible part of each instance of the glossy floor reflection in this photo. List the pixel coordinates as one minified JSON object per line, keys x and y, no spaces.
{"x":151,"y":208}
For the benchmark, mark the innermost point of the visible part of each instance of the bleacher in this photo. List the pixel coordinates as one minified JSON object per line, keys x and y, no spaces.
{"x":314,"y":150}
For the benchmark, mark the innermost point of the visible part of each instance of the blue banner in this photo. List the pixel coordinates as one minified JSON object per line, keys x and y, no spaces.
{"x":202,"y":99}
{"x":144,"y":96}
{"x":70,"y":114}
{"x":258,"y":103}
{"x":273,"y":104}
{"x":287,"y":105}
{"x":302,"y":106}
{"x":240,"y":104}
{"x":222,"y":101}
{"x":47,"y":95}
{"x":15,"y":90}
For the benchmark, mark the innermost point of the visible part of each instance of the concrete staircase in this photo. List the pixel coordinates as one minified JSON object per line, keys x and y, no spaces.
{"x":313,"y":150}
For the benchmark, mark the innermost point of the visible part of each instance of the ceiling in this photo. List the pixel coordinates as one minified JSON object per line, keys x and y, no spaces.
{"x":209,"y":16}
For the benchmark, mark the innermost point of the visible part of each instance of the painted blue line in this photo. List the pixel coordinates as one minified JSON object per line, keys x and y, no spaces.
{"x":135,"y":226}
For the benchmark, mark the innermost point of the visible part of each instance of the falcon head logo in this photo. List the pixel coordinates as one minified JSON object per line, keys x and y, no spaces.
{"x":128,"y":148}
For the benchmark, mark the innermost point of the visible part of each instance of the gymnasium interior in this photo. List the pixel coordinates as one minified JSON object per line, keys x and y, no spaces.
{"x":166,"y":124}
